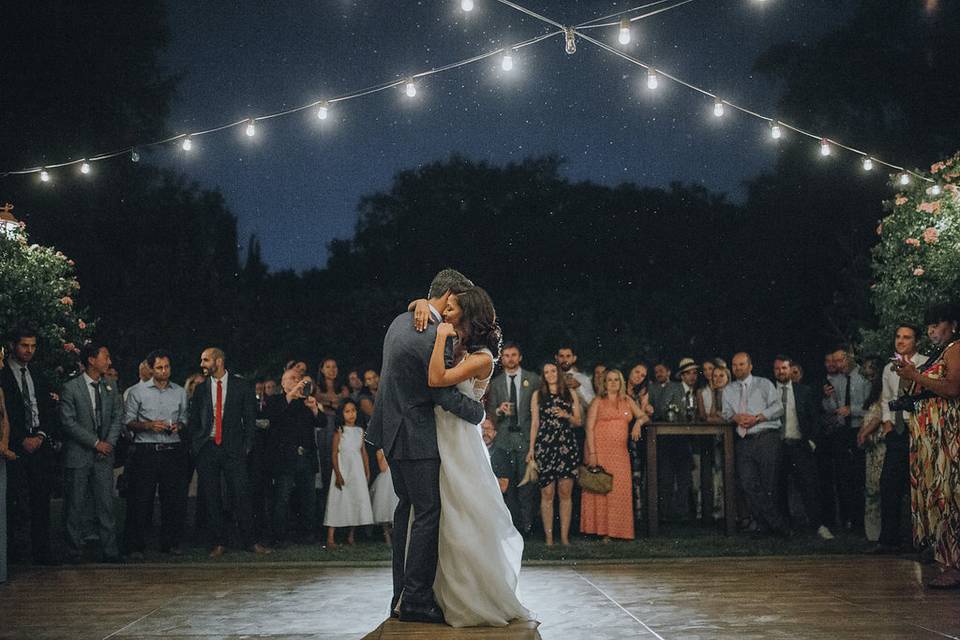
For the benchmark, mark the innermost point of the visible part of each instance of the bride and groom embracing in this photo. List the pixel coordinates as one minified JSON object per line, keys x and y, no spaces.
{"x":456,"y":553}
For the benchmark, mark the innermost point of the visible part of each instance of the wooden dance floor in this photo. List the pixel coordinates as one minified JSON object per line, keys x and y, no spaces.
{"x":823,"y":597}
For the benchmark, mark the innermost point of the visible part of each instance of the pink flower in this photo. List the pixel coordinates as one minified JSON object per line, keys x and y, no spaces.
{"x":930,"y":235}
{"x":918,"y":271}
{"x":900,"y":200}
{"x":81,"y":324}
{"x":71,"y":262}
{"x":937,"y":166}
{"x":929,"y":207}
{"x":913,"y":242}
{"x":67,"y":300}
{"x":69,"y":346}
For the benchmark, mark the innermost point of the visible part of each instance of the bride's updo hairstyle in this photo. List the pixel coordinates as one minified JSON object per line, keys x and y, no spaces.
{"x":479,"y":322}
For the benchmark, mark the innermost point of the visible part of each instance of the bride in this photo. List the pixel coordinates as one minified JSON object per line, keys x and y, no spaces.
{"x":479,"y":548}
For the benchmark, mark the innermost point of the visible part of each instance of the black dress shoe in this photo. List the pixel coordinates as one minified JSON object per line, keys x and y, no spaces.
{"x":430,"y":615}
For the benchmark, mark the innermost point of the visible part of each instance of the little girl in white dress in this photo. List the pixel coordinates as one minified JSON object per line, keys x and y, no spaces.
{"x":348,"y":499}
{"x":383,"y":497}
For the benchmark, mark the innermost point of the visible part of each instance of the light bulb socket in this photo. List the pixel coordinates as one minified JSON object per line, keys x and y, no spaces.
{"x":624,"y":31}
{"x":570,"y":40}
{"x":653,"y":80}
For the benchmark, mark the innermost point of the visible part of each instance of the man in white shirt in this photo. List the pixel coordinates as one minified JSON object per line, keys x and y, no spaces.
{"x":895,"y":476}
{"x":576,"y":380}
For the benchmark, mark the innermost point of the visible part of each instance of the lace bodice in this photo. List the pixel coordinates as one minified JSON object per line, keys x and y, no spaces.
{"x":474,"y":388}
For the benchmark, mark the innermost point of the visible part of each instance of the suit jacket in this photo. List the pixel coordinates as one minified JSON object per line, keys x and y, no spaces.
{"x":808,"y":411}
{"x":292,"y":425}
{"x":403,"y":422}
{"x":497,"y":394}
{"x":239,"y":417}
{"x":17,"y":413}
{"x":78,"y":423}
{"x":662,"y":397}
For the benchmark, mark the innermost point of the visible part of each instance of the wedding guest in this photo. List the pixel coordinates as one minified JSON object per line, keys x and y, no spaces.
{"x":608,"y":427}
{"x":638,"y":388}
{"x":270,"y":387}
{"x":675,"y":455}
{"x":91,"y":417}
{"x":664,"y":393}
{"x":555,"y":411}
{"x":499,"y":458}
{"x":706,"y":372}
{"x":299,"y":365}
{"x":796,"y":372}
{"x":156,"y":412}
{"x":220,"y":428}
{"x":348,"y":500}
{"x":710,"y":398}
{"x":354,"y":384}
{"x":259,"y":474}
{"x":598,"y":372}
{"x":330,"y":390}
{"x":579,"y":382}
{"x":869,"y":441}
{"x":935,"y":445}
{"x":5,"y":455}
{"x":895,"y":475}
{"x":798,"y":428}
{"x":754,"y":404}
{"x":509,"y":402}
{"x":33,"y":417}
{"x":710,"y":409}
{"x":383,"y":497}
{"x":292,"y":453}
{"x":371,"y":384}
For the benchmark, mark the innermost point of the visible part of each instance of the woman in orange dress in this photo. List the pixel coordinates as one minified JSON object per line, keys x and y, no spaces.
{"x":608,"y":424}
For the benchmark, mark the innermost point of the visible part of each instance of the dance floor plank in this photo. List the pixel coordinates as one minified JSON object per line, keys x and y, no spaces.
{"x":826,"y":597}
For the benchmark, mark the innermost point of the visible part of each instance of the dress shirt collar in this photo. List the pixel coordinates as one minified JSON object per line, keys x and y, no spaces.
{"x":90,"y":380}
{"x":436,"y":314}
{"x":224,"y":377}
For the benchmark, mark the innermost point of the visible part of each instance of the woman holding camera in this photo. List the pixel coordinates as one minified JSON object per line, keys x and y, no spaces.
{"x":935,"y":445}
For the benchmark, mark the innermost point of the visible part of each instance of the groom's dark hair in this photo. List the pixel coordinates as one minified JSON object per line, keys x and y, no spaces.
{"x":449,"y":280}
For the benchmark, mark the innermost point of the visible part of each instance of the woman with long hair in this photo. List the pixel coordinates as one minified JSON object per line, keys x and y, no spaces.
{"x":868,"y":439}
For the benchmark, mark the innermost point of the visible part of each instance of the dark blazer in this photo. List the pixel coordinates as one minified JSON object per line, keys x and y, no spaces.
{"x":292,"y":425}
{"x":808,"y":410}
{"x":497,"y":394}
{"x":403,"y":422}
{"x":239,"y":417}
{"x":46,"y":406}
{"x":79,"y":424}
{"x":662,"y":397}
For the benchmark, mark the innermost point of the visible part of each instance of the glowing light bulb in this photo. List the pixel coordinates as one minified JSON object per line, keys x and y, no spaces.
{"x":624,"y":36}
{"x":187,"y":144}
{"x":411,"y":88}
{"x":718,"y":108}
{"x":323,"y":111}
{"x":904,"y":178}
{"x":934,"y":190}
{"x":868,"y":164}
{"x":134,"y":156}
{"x":251,"y":129}
{"x":652,"y":80}
{"x":570,"y":41}
{"x":466,"y":5}
{"x":776,"y":132}
{"x":507,"y":62}
{"x":85,"y":168}
{"x":44,"y":176}
{"x":824,"y":147}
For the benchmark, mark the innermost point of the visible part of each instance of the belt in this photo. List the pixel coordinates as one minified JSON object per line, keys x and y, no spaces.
{"x":150,"y":446}
{"x":758,"y":434}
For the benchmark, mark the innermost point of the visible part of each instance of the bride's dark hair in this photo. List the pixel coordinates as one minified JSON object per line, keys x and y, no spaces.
{"x":479,"y":322}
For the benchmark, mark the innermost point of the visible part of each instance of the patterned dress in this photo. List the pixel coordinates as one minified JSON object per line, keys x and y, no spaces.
{"x":611,"y":514}
{"x":935,"y":473}
{"x":876,"y":451}
{"x":555,"y":450}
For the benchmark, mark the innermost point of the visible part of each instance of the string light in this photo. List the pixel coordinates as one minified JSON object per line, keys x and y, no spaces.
{"x":506,"y":63}
{"x":824,"y":147}
{"x":624,"y":36}
{"x":187,"y":144}
{"x":134,"y":156}
{"x":868,"y":164}
{"x":718,"y":107}
{"x":904,"y":178}
{"x":466,"y":5}
{"x":411,"y":88}
{"x":570,"y":39}
{"x":934,"y":190}
{"x":44,"y":176}
{"x":652,"y":80}
{"x":323,"y":111}
{"x":85,"y":168}
{"x":776,"y":132}
{"x":251,"y":128}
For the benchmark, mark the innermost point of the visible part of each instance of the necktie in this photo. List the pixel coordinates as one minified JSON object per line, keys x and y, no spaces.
{"x":513,"y":400}
{"x":783,"y":399}
{"x":27,"y":400}
{"x":743,"y":397}
{"x":98,"y":405}
{"x":688,"y":401}
{"x":848,"y":421}
{"x":218,"y":415}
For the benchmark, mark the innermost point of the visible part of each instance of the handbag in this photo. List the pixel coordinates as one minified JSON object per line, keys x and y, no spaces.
{"x":594,"y":479}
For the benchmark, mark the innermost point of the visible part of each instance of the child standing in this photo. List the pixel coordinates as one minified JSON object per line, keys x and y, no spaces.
{"x":348,"y":500}
{"x":383,"y":497}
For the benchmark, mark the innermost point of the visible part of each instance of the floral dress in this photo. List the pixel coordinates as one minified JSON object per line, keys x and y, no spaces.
{"x":555,"y":450}
{"x":876,"y":451}
{"x":935,"y":472}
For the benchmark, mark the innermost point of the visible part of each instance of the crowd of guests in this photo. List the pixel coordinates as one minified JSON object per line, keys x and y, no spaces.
{"x":274,"y":461}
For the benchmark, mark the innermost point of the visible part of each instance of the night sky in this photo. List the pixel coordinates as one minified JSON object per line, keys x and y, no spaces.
{"x":297,"y":183}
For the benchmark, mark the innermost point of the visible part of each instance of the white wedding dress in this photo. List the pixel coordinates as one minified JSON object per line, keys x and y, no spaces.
{"x":479,"y":550}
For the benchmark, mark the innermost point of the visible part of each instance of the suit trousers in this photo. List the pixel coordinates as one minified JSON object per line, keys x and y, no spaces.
{"x":299,"y":477}
{"x":758,"y":465}
{"x":152,"y":471}
{"x":29,"y":483}
{"x":800,"y":465}
{"x":97,"y":478}
{"x":894,"y":487}
{"x":214,"y":462}
{"x":417,"y":484}
{"x":850,"y":477}
{"x":674,"y":477}
{"x":521,"y":501}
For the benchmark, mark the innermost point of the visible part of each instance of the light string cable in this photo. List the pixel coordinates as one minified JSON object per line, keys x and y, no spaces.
{"x":721,"y":101}
{"x":625,"y":11}
{"x":383,"y":86}
{"x":590,"y":25}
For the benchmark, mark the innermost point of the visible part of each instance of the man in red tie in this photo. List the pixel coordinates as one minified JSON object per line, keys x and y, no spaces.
{"x":220,"y":428}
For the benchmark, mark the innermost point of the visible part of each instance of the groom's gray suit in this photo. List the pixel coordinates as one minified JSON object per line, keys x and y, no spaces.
{"x":404,"y":426}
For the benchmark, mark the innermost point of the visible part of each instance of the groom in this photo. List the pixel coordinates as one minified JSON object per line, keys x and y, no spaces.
{"x":403,"y":425}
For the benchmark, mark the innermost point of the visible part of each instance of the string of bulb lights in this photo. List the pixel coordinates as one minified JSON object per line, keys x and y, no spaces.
{"x":622,"y":21}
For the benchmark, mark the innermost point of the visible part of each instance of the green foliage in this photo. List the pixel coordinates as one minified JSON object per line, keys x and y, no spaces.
{"x":38,"y":287}
{"x":917,"y":260}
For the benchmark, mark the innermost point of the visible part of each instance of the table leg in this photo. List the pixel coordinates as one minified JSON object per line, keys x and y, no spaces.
{"x":729,"y":483}
{"x":652,"y":515}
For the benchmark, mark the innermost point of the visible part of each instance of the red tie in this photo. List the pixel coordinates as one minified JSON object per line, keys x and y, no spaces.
{"x":218,"y":416}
